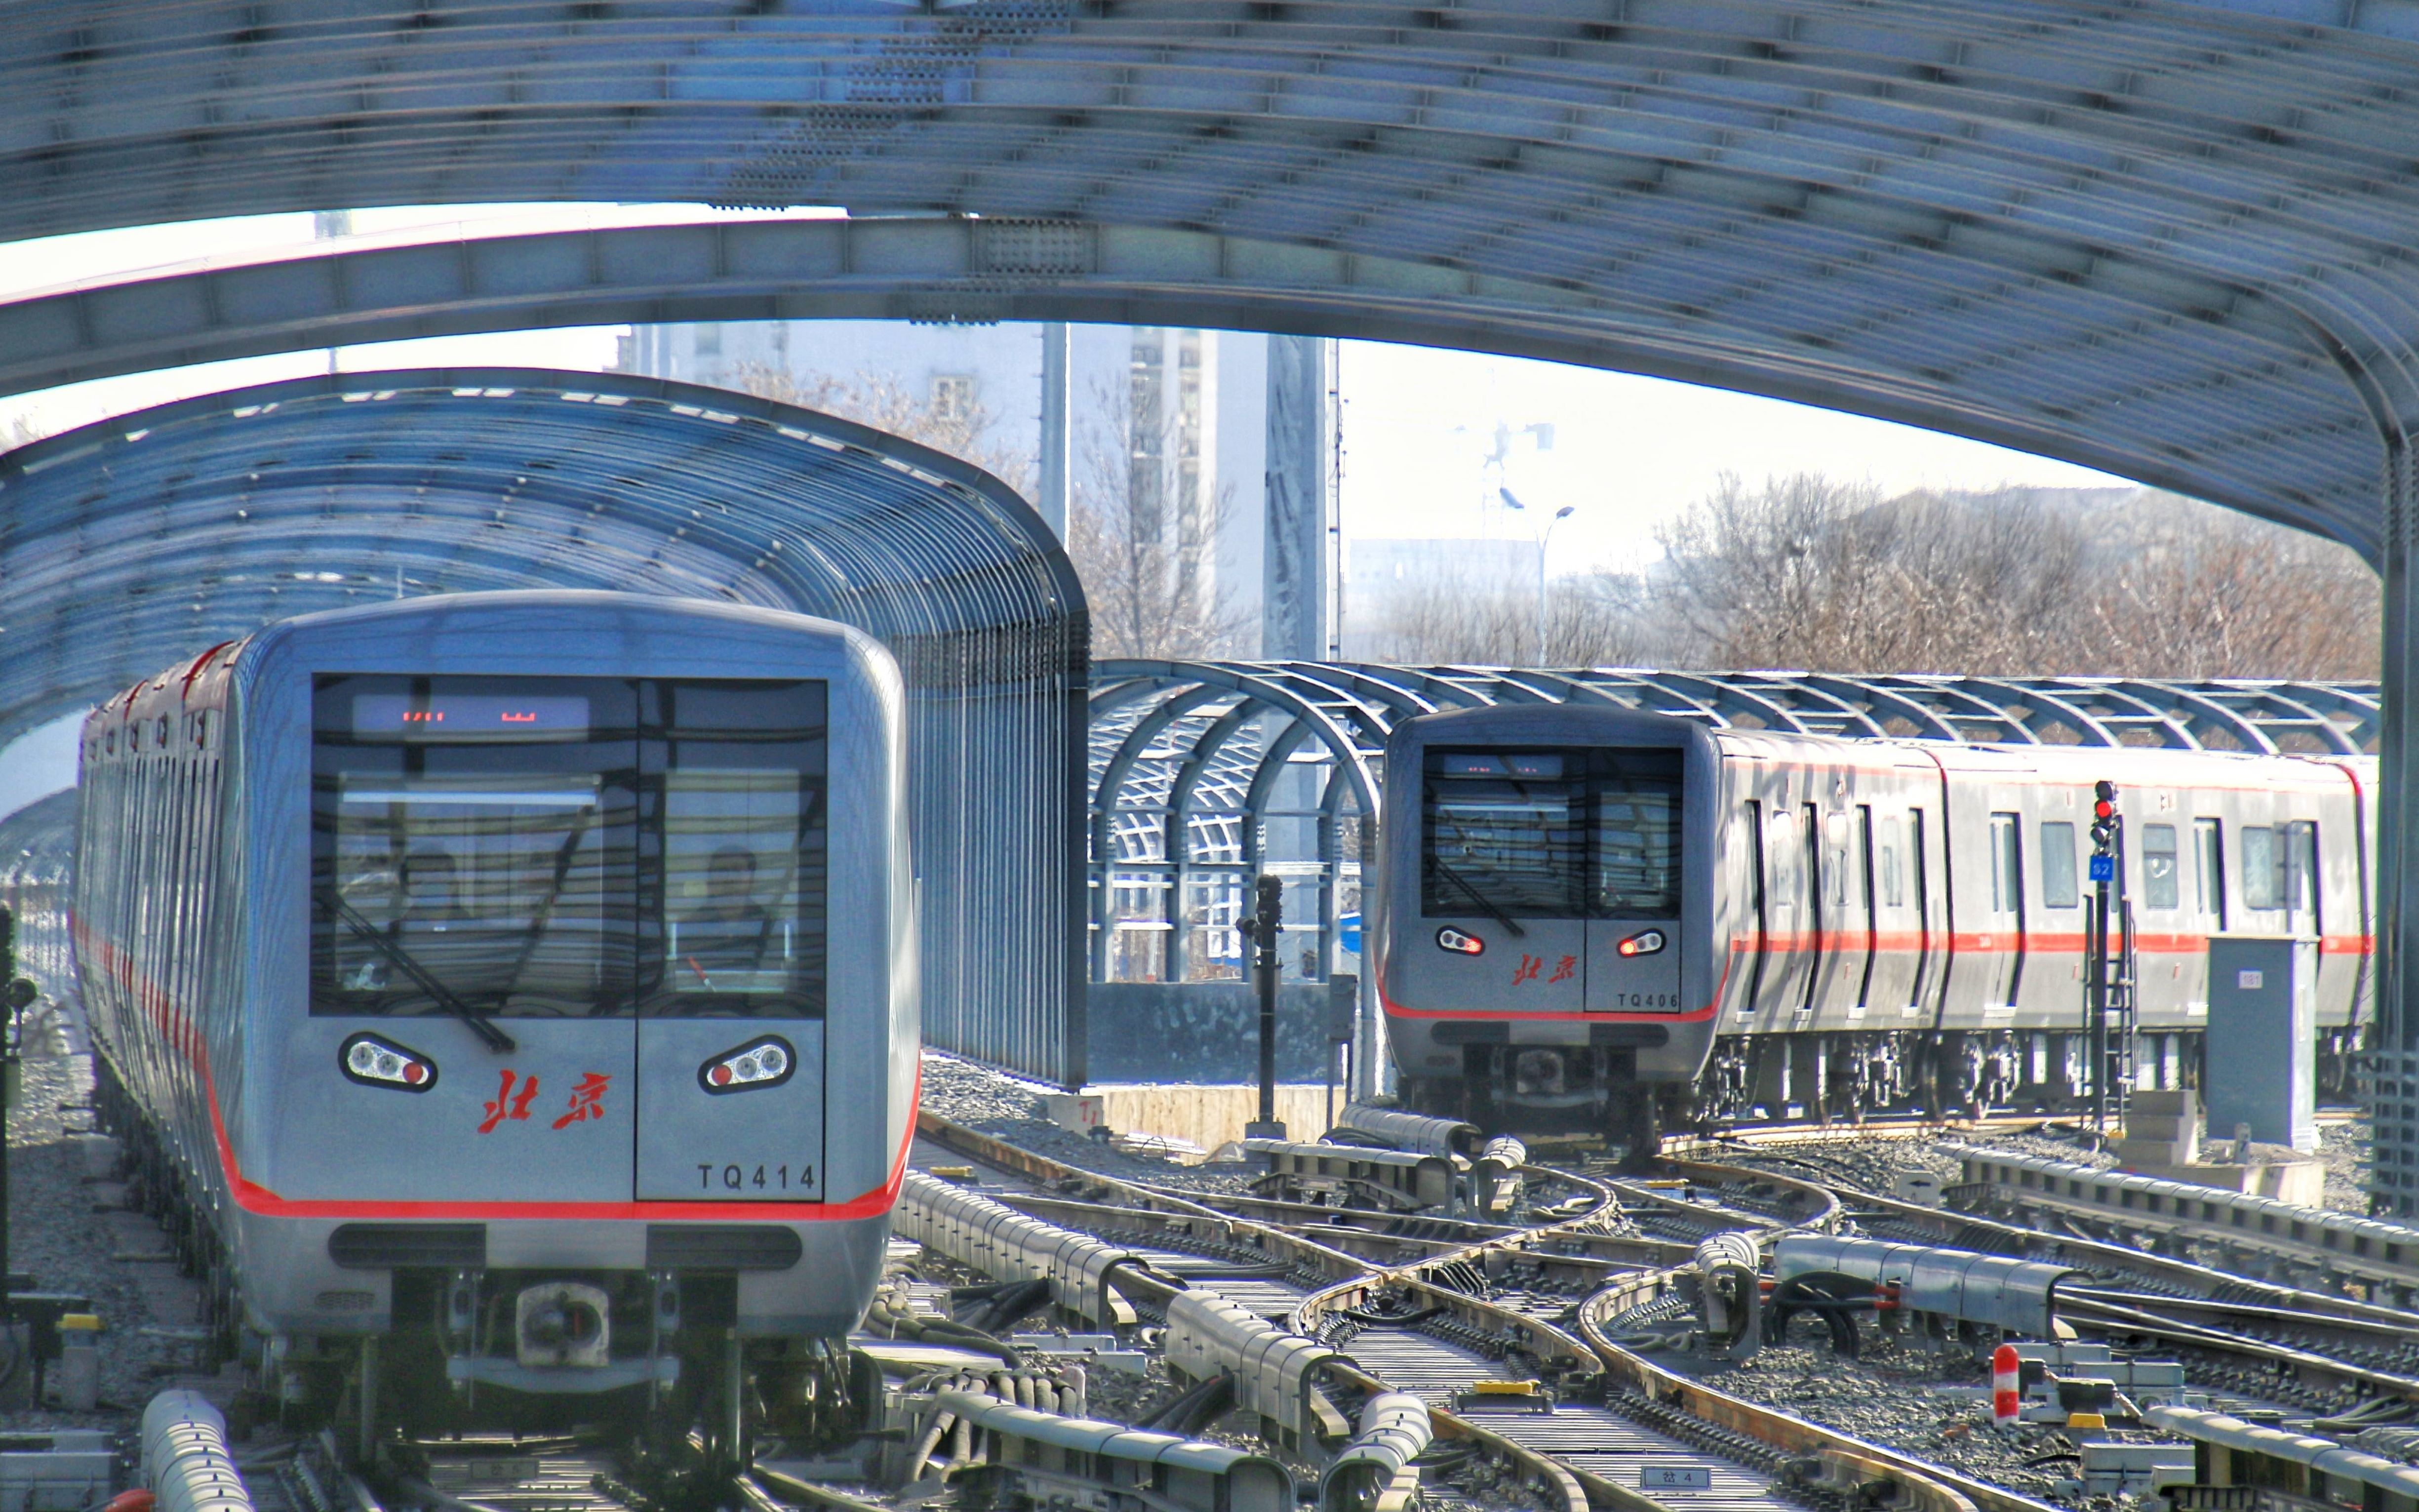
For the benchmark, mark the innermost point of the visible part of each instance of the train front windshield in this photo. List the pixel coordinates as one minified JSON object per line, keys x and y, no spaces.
{"x":1590,"y":833}
{"x":568,"y":847}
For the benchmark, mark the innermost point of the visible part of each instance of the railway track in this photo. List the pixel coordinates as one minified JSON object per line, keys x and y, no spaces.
{"x":2297,"y":1345}
{"x":1429,"y":1305}
{"x":1419,"y":1326}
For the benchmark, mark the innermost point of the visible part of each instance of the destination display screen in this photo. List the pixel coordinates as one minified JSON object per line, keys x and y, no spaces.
{"x":1543,"y":765}
{"x":470,"y":717}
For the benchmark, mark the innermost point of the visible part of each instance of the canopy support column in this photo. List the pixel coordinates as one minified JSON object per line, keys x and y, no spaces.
{"x":2394,"y":1179}
{"x":1294,"y":608}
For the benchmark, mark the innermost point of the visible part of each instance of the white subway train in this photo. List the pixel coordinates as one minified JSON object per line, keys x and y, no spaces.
{"x":1619,"y":917}
{"x":512,"y":994}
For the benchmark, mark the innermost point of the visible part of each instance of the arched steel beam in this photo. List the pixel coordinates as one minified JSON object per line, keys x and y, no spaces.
{"x":1252,"y":680}
{"x":129,"y":546}
{"x":961,"y":269}
{"x":1107,"y":787}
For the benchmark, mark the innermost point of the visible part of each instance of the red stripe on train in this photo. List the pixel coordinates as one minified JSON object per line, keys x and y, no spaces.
{"x":179,"y":1030}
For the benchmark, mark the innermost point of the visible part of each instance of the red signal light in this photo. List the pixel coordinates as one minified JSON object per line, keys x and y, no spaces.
{"x":2103,"y":810}
{"x":1461,"y":942}
{"x":375,"y":1062}
{"x":766,"y":1061}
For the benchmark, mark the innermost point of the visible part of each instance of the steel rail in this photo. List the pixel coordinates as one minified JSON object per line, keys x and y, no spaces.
{"x":1559,"y":1354}
{"x":2313,"y":1311}
{"x":2317,"y":1372}
{"x":1572,"y":1492}
{"x":1967,"y":1230}
{"x":1578,"y":1361}
{"x":1782,"y":1430}
{"x":2396,"y":1268}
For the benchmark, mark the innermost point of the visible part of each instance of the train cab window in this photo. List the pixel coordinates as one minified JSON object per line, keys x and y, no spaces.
{"x":567,"y":847}
{"x":1551,"y":834}
{"x":1505,"y":832}
{"x":472,"y":845}
{"x":745,"y":849}
{"x":2209,"y":871}
{"x":2159,"y":889}
{"x":2058,"y":889}
{"x":1635,"y":869}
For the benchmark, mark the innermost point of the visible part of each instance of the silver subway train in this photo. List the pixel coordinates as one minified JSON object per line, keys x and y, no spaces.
{"x":1620,"y":918}
{"x":514,"y":993}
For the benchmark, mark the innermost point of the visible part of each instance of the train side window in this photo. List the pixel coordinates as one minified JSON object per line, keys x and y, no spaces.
{"x":2301,"y":869}
{"x":2159,"y":866}
{"x":2209,"y":871}
{"x":2058,"y":889}
{"x":1893,"y":889}
{"x":1835,"y":859}
{"x":2263,"y":868}
{"x":2006,"y":871}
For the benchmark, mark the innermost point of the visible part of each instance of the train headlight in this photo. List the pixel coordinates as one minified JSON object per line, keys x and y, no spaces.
{"x":1452,"y":939}
{"x":1645,"y":942}
{"x":374,"y":1061}
{"x":762,"y":1062}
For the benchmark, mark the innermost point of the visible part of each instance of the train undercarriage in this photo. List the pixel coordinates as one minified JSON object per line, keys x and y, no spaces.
{"x":680,"y":1400}
{"x":1824,"y":1077}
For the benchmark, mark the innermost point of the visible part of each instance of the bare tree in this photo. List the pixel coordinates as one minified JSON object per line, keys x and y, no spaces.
{"x":1142,"y":536}
{"x":25,"y":428}
{"x":881,"y":401}
{"x":2238,"y":597}
{"x":1816,"y":574}
{"x":1596,"y":619}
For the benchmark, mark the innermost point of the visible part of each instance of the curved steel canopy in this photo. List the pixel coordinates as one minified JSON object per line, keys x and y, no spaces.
{"x":2169,"y":238}
{"x":1188,"y":761}
{"x":136,"y":543}
{"x":937,"y":268}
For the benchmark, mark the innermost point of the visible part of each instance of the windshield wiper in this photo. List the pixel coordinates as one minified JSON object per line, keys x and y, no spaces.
{"x":492,"y":1037}
{"x":1480,"y":899}
{"x":544,"y":915}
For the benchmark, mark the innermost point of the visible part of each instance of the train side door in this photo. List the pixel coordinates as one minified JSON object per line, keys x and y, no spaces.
{"x":1790,"y":941}
{"x":2000,"y":940}
{"x":1890,"y":988}
{"x":1749,"y":911}
{"x":734,"y":792}
{"x":1842,"y":910}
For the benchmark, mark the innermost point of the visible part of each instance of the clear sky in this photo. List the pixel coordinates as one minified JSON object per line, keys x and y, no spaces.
{"x":1420,"y":427}
{"x":1627,"y":451}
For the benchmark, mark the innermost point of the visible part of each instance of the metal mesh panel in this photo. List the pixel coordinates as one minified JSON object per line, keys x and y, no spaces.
{"x":150,"y":537}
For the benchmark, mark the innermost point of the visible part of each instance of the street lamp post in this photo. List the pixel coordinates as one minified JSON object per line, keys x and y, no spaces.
{"x":1512,"y":501}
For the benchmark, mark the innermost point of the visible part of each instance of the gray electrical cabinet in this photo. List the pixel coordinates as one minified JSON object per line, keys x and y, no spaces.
{"x":2263,"y":1052}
